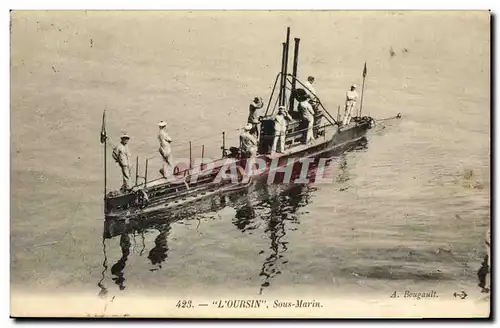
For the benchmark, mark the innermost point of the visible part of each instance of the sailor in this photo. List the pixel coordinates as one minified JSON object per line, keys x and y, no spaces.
{"x":314,"y":101}
{"x":280,"y":125}
{"x":248,"y":142}
{"x":350,"y":103}
{"x":307,"y":112}
{"x":121,"y":154}
{"x":165,"y":150}
{"x":310,"y":90}
{"x":254,"y":115}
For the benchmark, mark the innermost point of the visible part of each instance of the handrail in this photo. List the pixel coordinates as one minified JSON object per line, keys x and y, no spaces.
{"x":296,"y":132}
{"x":177,"y":148}
{"x":328,"y":116}
{"x":202,"y":179}
{"x":319,"y":100}
{"x":184,"y":179}
{"x":187,"y":171}
{"x":161,"y":178}
{"x":272,"y":93}
{"x":207,"y":177}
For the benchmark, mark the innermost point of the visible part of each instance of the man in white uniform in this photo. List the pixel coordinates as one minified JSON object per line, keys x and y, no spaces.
{"x":248,"y":142}
{"x":121,"y":154}
{"x":308,"y":114}
{"x":165,"y":150}
{"x":280,"y":125}
{"x":309,"y":89}
{"x":314,"y":101}
{"x":350,"y":104}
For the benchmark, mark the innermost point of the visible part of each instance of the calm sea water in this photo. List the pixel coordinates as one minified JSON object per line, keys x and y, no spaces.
{"x":410,"y":208}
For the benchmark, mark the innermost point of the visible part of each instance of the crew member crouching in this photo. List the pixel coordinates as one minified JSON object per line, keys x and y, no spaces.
{"x":248,"y":142}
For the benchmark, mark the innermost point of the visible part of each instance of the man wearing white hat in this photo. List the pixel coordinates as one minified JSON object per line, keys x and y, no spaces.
{"x":121,"y":154}
{"x":165,"y":150}
{"x":307,"y":111}
{"x":254,"y":113}
{"x":310,"y":90}
{"x":280,"y":126}
{"x":248,"y":142}
{"x":350,"y":103}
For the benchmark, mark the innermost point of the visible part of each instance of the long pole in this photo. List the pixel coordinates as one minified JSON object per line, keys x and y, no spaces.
{"x":362,"y":91}
{"x":272,"y":92}
{"x":202,"y":156}
{"x":223,"y":144}
{"x":285,"y":69}
{"x":136,"y":170}
{"x":104,"y":140}
{"x":146,"y":173}
{"x":190,"y":157}
{"x":283,"y":77}
{"x":105,"y":168}
{"x":294,"y":72}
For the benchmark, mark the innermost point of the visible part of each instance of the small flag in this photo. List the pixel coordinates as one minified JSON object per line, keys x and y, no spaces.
{"x":103,"y":127}
{"x":364,"y":71}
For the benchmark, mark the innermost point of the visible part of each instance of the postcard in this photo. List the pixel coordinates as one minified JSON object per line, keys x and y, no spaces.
{"x":250,"y":164}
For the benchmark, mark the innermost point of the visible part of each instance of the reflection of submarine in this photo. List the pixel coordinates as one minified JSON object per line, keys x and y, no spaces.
{"x":276,"y":205}
{"x":157,"y":255}
{"x":118,"y":268}
{"x":160,"y":221}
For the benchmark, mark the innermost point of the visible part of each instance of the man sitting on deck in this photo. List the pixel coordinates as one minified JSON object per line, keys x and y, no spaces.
{"x":248,"y":142}
{"x":280,"y":126}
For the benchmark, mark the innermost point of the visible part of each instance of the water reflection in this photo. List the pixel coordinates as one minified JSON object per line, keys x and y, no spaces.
{"x":158,"y":254}
{"x":343,"y":173}
{"x":124,"y":229}
{"x":119,"y":266}
{"x":104,"y":291}
{"x":244,"y":218}
{"x":277,"y":206}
